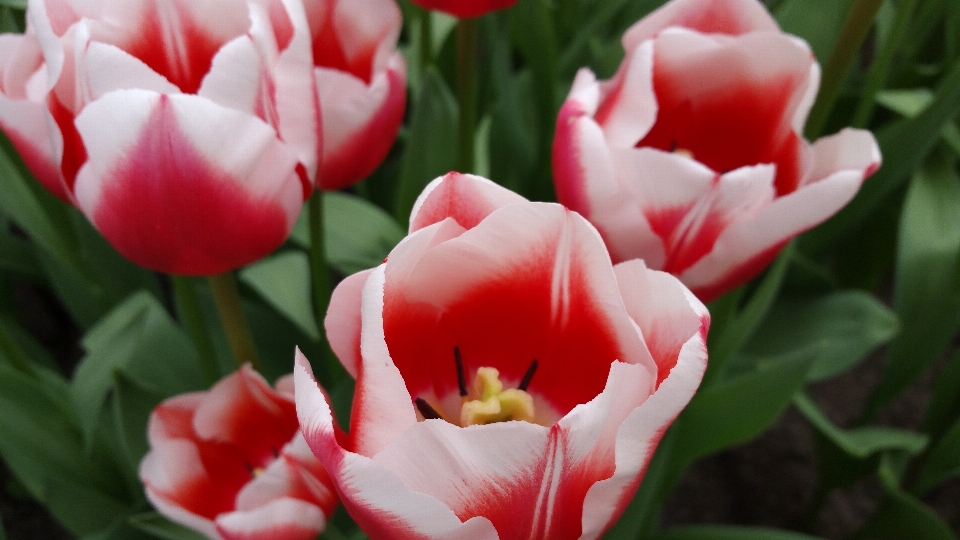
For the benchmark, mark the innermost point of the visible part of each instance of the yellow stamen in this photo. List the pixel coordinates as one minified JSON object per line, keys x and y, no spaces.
{"x":684,"y":152}
{"x":495,"y":403}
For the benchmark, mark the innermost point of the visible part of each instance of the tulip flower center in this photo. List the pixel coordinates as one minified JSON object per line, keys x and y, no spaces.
{"x":493,"y":403}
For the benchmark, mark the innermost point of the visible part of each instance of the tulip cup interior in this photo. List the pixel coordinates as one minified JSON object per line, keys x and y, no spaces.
{"x":528,"y":340}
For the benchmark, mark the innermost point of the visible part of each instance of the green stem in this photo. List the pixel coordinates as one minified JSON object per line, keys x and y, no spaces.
{"x":191,"y":317}
{"x":318,"y":260}
{"x":467,"y":50}
{"x":881,"y":65}
{"x":854,"y":31}
{"x":12,"y":351}
{"x":226,"y":295}
{"x":426,"y":39}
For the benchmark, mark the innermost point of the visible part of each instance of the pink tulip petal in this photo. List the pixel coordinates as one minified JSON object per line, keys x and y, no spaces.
{"x":746,"y":88}
{"x":360,"y":121}
{"x":375,"y":498}
{"x":733,"y":17}
{"x":530,"y":282}
{"x":466,"y":198}
{"x":745,"y":248}
{"x":281,"y":519}
{"x":639,"y":434}
{"x":342,"y":322}
{"x":167,"y":180}
{"x":661,"y":307}
{"x":173,"y":418}
{"x":629,"y":108}
{"x":465,"y":9}
{"x":382,"y":407}
{"x":107,"y":68}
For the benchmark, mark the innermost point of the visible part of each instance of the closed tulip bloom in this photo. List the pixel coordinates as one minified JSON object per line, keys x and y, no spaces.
{"x":692,"y":156}
{"x":231,"y":463}
{"x":361,"y":79}
{"x":511,"y":382}
{"x":465,"y":9}
{"x":187,"y":132}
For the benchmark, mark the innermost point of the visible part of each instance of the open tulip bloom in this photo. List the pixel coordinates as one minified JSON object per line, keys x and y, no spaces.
{"x":511,"y":381}
{"x":187,"y":132}
{"x":231,"y":463}
{"x":692,"y":156}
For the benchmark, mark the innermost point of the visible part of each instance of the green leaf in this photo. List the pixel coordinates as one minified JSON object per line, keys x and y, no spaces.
{"x":283,"y":280}
{"x":161,"y":527}
{"x":861,"y":442}
{"x":910,"y":103}
{"x":16,"y":256}
{"x":432,"y":147}
{"x":817,"y":21}
{"x":25,"y":204}
{"x":904,"y":145}
{"x":358,"y":234}
{"x":942,"y":463}
{"x":927,"y":279}
{"x":3,"y":531}
{"x":738,"y":330}
{"x":41,"y":442}
{"x":845,"y":325}
{"x":729,"y":532}
{"x":132,"y":405}
{"x":901,"y":515}
{"x":945,"y":401}
{"x":140,"y":340}
{"x":15,"y":4}
{"x":736,"y":410}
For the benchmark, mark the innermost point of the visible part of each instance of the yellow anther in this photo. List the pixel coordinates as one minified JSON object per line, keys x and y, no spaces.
{"x":495,"y":403}
{"x":684,"y":152}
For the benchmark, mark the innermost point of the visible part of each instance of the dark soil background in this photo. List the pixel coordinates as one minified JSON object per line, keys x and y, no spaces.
{"x":768,"y":482}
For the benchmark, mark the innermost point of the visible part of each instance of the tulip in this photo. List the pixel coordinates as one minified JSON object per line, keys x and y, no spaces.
{"x":361,"y":79}
{"x":464,"y":9}
{"x":511,"y":382}
{"x":231,"y":463}
{"x":692,"y":156}
{"x":186,"y":132}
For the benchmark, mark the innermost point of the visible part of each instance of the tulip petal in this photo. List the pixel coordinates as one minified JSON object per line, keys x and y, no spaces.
{"x":531,"y":281}
{"x":466,"y":198}
{"x":342,"y":322}
{"x":166,"y":181}
{"x":639,"y":434}
{"x":375,"y":498}
{"x":661,"y":307}
{"x":382,"y":406}
{"x":733,"y":17}
{"x":746,"y":247}
{"x":360,"y":121}
{"x":629,"y":108}
{"x":289,"y":519}
{"x":746,"y":88}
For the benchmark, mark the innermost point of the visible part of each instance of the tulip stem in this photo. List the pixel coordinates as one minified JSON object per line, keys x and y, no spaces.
{"x":467,"y":50}
{"x":858,"y":23}
{"x":191,"y":317}
{"x":319,"y":272}
{"x":426,"y":39}
{"x":226,"y":295}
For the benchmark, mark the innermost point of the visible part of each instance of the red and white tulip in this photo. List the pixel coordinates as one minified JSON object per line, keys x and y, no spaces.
{"x":361,"y":78}
{"x":511,"y":382}
{"x":187,"y":132}
{"x":231,"y":463}
{"x":692,"y":156}
{"x":465,"y":9}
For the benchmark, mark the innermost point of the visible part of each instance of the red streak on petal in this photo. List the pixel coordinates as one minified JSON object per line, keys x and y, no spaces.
{"x":567,"y":168}
{"x":455,"y":198}
{"x":178,"y":49}
{"x":747,"y":123}
{"x":713,"y":17}
{"x":328,"y":52}
{"x":74,"y":152}
{"x":166,"y":207}
{"x":367,"y":147}
{"x":282,"y":25}
{"x":505,"y":323}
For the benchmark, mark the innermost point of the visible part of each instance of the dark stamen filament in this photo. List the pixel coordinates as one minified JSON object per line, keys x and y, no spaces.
{"x":428,"y":412}
{"x":673,"y":146}
{"x":250,"y":469}
{"x":461,"y":378}
{"x":528,"y":376}
{"x":276,"y":453}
